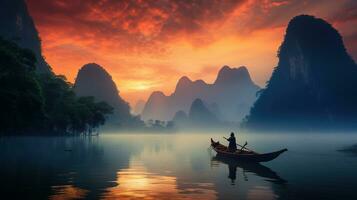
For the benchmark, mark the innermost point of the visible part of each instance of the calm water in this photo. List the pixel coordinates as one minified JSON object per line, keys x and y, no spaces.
{"x":175,"y":166}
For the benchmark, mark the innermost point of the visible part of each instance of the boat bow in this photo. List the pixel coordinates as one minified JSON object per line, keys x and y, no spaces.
{"x":222,"y":151}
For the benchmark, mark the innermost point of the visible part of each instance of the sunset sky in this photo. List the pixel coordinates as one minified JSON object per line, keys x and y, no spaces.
{"x":149,"y":45}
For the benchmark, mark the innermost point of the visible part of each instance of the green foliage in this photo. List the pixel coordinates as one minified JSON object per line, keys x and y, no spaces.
{"x":42,"y":102}
{"x":21,"y":100}
{"x":89,"y":114}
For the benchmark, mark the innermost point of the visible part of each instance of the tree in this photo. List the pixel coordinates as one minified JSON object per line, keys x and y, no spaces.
{"x":42,"y":102}
{"x":21,"y":99}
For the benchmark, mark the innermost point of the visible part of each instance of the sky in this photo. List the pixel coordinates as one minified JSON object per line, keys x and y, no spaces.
{"x":147,"y":45}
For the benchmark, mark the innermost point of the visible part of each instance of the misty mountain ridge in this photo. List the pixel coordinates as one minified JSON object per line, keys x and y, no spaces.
{"x":315,"y":81}
{"x":138,"y":107}
{"x":229,"y":97}
{"x":233,"y":76}
{"x":200,"y":115}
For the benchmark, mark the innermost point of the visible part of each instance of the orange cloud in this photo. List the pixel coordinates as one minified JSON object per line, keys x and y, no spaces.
{"x":148,"y":45}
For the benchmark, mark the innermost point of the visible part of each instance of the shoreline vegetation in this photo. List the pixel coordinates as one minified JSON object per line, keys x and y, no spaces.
{"x":34,"y":102}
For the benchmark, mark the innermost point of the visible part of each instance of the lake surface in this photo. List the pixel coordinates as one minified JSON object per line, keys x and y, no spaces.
{"x":175,"y":166}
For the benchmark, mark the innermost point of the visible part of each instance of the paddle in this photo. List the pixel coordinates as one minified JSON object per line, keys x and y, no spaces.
{"x":242,"y":147}
{"x":245,"y":144}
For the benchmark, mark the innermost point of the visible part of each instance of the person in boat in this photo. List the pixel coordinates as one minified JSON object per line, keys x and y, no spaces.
{"x":232,"y":143}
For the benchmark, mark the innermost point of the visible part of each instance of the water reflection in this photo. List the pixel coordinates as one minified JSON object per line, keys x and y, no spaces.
{"x":67,"y":192}
{"x":256,"y":168}
{"x":143,"y":166}
{"x":137,"y":182}
{"x":115,"y":167}
{"x":41,"y":168}
{"x":247,"y":180}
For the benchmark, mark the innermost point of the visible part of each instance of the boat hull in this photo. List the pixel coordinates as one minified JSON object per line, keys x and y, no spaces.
{"x":222,"y":151}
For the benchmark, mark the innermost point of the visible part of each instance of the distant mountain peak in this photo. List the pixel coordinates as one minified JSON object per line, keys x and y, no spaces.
{"x":320,"y":34}
{"x":94,"y":72}
{"x":94,"y":68}
{"x":93,"y":80}
{"x":184,"y":79}
{"x":157,"y":94}
{"x":200,"y":82}
{"x":198,"y":102}
{"x":183,"y":83}
{"x":200,"y":114}
{"x":229,"y":98}
{"x":300,"y":21}
{"x":310,"y":37}
{"x":229,"y":76}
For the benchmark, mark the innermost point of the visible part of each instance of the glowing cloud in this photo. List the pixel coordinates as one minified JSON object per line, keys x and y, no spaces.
{"x":149,"y":45}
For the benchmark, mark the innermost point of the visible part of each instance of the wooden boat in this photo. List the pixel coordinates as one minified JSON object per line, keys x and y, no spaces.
{"x":244,"y":155}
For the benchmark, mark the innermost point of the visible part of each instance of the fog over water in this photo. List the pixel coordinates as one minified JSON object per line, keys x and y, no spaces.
{"x":177,"y":165}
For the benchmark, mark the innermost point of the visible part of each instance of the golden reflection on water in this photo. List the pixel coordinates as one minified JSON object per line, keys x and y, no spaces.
{"x":137,"y":183}
{"x":67,"y":192}
{"x":261,"y":192}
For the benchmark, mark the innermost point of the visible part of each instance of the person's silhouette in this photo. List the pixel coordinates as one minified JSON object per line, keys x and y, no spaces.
{"x":232,"y":143}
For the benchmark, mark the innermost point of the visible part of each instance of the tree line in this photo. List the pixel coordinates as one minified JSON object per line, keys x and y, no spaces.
{"x":32,"y":102}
